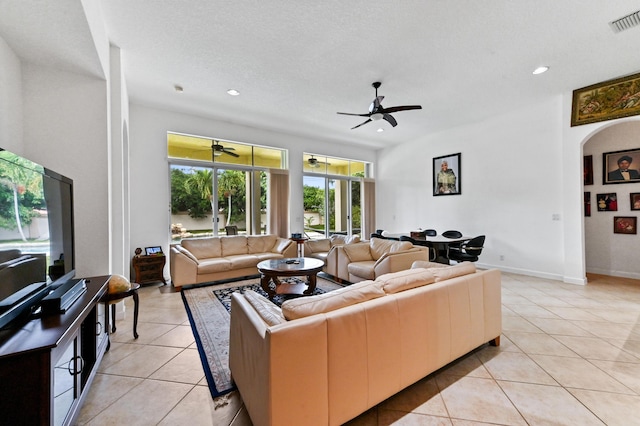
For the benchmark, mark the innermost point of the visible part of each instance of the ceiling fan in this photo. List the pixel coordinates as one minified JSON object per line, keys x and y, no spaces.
{"x":217,"y":150}
{"x":378,"y":112}
{"x":315,"y":163}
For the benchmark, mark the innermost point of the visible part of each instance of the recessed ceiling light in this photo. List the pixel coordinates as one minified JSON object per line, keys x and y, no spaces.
{"x":540,"y":70}
{"x":233,"y":92}
{"x":380,"y":130}
{"x":178,"y":88}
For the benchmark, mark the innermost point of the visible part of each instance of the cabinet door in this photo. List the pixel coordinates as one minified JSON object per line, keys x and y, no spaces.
{"x":67,"y":366}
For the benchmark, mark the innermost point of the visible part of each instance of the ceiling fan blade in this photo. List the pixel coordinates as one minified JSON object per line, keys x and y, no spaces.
{"x":349,"y":113}
{"x":375,"y":104}
{"x":361,"y":124}
{"x":389,"y":119}
{"x":400,"y":108}
{"x":233,"y":154}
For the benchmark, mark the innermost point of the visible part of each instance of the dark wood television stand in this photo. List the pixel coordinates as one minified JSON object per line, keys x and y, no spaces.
{"x":47,"y":364}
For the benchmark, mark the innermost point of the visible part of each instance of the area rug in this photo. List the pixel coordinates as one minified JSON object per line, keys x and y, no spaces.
{"x":208,"y":308}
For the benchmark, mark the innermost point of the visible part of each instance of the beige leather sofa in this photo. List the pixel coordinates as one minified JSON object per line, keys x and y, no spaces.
{"x":324,"y":249}
{"x":343,"y":352}
{"x":368,"y":260}
{"x":200,"y":260}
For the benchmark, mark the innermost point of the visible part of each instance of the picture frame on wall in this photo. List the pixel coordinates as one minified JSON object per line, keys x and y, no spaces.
{"x":587,"y":169}
{"x":621,"y":166}
{"x":607,"y":100}
{"x":625,"y":225}
{"x":634,"y":201}
{"x":587,"y":204}
{"x":447,"y":175}
{"x":607,"y":202}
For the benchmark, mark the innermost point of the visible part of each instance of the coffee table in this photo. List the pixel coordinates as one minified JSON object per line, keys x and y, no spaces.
{"x":271,"y":269}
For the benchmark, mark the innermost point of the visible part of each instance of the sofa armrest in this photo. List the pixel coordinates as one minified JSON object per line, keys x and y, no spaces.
{"x":398,"y":261}
{"x":183,"y":266}
{"x":285,"y":247}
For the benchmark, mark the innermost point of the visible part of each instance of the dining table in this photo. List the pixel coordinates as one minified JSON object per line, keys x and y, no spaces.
{"x":441,"y":244}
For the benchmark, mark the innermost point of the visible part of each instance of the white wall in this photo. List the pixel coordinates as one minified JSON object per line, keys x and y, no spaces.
{"x":512,"y":173}
{"x":10,"y":99}
{"x":608,"y":253}
{"x":150,"y":211}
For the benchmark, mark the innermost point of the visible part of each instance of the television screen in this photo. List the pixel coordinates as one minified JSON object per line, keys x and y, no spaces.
{"x":36,"y":226}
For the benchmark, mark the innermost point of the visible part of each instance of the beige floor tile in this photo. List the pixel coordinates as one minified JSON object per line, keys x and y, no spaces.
{"x":547,"y":301}
{"x":184,"y":367}
{"x":573,"y":313}
{"x":400,"y":418}
{"x":596,"y":348}
{"x":105,"y":390}
{"x":607,"y":330}
{"x":631,"y":346}
{"x":518,"y":323}
{"x":180,"y":337}
{"x":146,"y":404}
{"x":618,"y":315}
{"x":558,"y":327}
{"x":537,"y":343}
{"x":147,"y":332}
{"x":613,"y":409}
{"x":144,"y":362}
{"x":626,"y":373}
{"x":164,"y":316}
{"x":475,"y":399}
{"x":534,"y":311}
{"x":197,"y":408}
{"x":421,"y":397}
{"x":241,"y":419}
{"x":468,"y":365}
{"x":117,"y":352}
{"x":548,"y":405}
{"x":579,"y":373}
{"x":517,"y":367}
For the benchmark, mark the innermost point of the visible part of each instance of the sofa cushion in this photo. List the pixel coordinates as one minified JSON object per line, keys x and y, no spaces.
{"x":464,"y":268}
{"x":404,"y":280}
{"x":236,"y":244}
{"x":357,"y":252}
{"x":239,"y":261}
{"x":380,"y":246}
{"x":425,"y":264}
{"x":218,"y":264}
{"x":270,"y":313}
{"x":327,"y":302}
{"x":364,"y":269}
{"x":318,"y":246}
{"x":203,"y":248}
{"x":260,"y":243}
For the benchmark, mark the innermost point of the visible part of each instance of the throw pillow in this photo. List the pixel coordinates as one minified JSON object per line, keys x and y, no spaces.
{"x":464,"y":268}
{"x":327,"y":302}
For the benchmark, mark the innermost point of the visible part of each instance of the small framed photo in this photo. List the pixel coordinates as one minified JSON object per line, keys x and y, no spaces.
{"x":152,"y":250}
{"x":634,"y":200}
{"x":621,"y":166}
{"x":587,"y":169}
{"x":625,"y":225}
{"x":447,"y":179}
{"x":607,"y":202}
{"x":587,"y":203}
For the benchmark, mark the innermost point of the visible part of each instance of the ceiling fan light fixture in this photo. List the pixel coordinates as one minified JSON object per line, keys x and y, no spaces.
{"x":217,"y":153}
{"x":540,"y":70}
{"x":377,"y":116}
{"x":380,"y":130}
{"x":233,"y":92}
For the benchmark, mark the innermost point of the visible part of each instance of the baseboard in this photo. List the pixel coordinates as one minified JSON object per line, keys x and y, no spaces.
{"x":537,"y":274}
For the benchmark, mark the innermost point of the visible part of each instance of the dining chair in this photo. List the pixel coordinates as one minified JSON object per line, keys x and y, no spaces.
{"x":468,"y":251}
{"x":432,"y":251}
{"x":430,"y":232}
{"x":452,"y":234}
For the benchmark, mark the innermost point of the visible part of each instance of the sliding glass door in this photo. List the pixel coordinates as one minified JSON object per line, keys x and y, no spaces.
{"x":329,"y":206}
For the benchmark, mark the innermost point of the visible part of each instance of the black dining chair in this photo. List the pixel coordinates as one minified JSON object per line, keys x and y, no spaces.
{"x":468,"y":251}
{"x":430,"y":232}
{"x":432,"y":251}
{"x":452,"y":234}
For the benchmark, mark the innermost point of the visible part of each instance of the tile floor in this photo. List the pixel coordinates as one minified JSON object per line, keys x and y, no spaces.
{"x":569,"y":355}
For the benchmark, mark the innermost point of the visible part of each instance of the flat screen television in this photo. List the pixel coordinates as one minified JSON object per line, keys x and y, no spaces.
{"x":36,"y":234}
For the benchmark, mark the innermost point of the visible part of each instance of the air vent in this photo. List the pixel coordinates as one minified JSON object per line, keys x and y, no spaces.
{"x":626,"y":22}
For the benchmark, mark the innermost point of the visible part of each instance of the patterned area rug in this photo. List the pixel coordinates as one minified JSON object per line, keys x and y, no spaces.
{"x":208,"y":308}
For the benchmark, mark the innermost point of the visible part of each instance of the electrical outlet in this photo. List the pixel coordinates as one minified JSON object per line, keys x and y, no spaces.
{"x":555,"y":216}
{"x":502,"y":257}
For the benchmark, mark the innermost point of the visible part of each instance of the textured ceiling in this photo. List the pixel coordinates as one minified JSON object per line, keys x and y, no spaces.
{"x":296,"y":63}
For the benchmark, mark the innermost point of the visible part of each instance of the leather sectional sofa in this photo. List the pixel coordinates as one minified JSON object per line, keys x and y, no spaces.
{"x":325,"y":249}
{"x":325,"y":359}
{"x":199,"y":260}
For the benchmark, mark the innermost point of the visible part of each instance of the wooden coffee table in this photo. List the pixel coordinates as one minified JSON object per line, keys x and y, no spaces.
{"x":271,"y":269}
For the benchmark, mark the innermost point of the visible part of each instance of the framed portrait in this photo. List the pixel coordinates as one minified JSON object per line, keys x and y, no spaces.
{"x":607,"y":202}
{"x":621,"y":166}
{"x":634,"y":200}
{"x":447,"y":179}
{"x":606,"y":101}
{"x":587,"y":204}
{"x":625,"y":225}
{"x":152,"y":250}
{"x":587,"y":169}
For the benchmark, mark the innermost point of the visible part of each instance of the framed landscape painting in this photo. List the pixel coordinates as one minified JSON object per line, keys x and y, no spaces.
{"x":606,"y":101}
{"x":625,"y":225}
{"x":621,"y":166}
{"x":447,"y":179}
